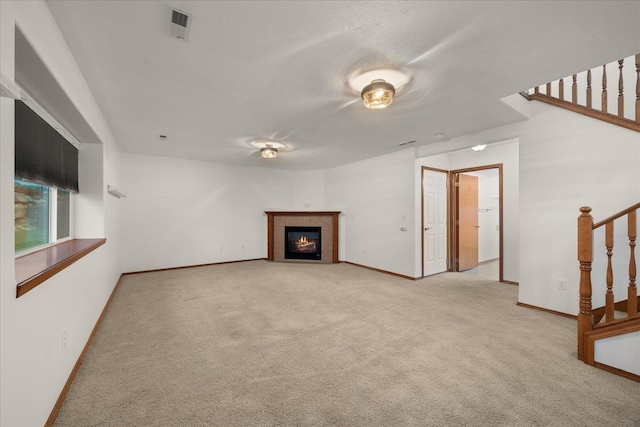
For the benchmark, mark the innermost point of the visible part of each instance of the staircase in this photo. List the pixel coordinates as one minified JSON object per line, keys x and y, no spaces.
{"x":619,"y":318}
{"x":577,"y":96}
{"x":615,"y":318}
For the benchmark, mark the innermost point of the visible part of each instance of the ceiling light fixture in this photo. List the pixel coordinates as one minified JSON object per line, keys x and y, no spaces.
{"x":378,"y":94}
{"x":268,"y":149}
{"x":269,"y":152}
{"x":479,"y":147}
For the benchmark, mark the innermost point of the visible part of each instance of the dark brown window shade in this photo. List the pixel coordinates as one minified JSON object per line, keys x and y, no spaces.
{"x":42,"y":154}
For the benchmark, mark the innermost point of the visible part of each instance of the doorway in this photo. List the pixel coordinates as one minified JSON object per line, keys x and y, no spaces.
{"x":476,"y":217}
{"x":473,"y":204}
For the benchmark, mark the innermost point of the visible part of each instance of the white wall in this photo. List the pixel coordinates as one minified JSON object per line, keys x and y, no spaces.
{"x":566,"y":160}
{"x":503,"y":150}
{"x":34,"y":366}
{"x":308,"y":190}
{"x":563,"y":167}
{"x":488,"y":215}
{"x":89,"y":209}
{"x":376,"y":197}
{"x":186,"y":212}
{"x":111,"y":174}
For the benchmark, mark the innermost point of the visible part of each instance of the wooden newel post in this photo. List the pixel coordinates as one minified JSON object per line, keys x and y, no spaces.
{"x":585,"y":256}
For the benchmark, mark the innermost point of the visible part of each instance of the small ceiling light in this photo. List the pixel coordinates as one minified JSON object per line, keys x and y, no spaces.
{"x":479,"y":147}
{"x":378,"y":94}
{"x":268,"y":149}
{"x":269,"y":152}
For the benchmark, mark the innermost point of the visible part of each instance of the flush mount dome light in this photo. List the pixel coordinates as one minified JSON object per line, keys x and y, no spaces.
{"x":380,"y":85}
{"x":269,"y":152}
{"x":479,"y":147}
{"x":378,"y":94}
{"x":268,"y":149}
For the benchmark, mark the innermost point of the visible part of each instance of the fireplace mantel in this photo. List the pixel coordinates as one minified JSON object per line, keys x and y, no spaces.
{"x":278,"y":219}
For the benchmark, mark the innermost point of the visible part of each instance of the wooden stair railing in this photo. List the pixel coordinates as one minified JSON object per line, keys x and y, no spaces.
{"x":590,"y":319}
{"x":601,"y":113}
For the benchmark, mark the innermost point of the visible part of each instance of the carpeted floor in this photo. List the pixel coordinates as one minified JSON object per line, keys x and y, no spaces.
{"x":275,"y":344}
{"x":489,"y":270}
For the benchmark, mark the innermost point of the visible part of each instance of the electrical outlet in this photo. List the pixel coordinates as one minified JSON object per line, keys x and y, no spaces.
{"x":562,"y":285}
{"x":63,"y":339}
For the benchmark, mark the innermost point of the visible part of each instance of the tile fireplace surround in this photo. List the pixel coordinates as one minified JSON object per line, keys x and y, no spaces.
{"x":277,"y":220}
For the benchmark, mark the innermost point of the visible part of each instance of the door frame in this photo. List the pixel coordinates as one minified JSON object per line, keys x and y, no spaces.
{"x":452,"y":246}
{"x":452,"y":240}
{"x":447,"y":203}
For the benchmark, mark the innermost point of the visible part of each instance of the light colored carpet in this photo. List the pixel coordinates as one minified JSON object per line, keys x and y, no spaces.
{"x":274,"y":344}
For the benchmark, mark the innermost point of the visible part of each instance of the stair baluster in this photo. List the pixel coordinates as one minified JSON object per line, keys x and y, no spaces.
{"x":638,"y":87}
{"x":609,"y":300}
{"x":620,"y":90}
{"x":632,"y":304}
{"x":604,"y":89}
{"x":589,"y":89}
{"x":600,"y":111}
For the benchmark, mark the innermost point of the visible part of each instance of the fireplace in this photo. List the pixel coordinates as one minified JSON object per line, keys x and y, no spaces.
{"x":277,"y":239}
{"x":303,"y":243}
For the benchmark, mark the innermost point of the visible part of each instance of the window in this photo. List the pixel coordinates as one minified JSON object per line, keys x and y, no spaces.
{"x":46,"y":174}
{"x":63,"y":214}
{"x":31,"y":215}
{"x":42,"y":215}
{"x":46,"y":171}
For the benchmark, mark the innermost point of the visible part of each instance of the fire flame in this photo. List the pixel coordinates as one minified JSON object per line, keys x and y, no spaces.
{"x":303,"y":243}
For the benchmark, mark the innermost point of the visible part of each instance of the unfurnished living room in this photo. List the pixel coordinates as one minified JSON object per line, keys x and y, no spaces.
{"x":305,"y":213}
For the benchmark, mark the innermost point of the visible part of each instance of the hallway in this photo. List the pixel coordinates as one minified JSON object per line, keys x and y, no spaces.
{"x":487,"y":270}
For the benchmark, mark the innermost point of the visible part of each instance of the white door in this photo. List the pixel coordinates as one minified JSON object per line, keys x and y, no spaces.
{"x":435,"y":222}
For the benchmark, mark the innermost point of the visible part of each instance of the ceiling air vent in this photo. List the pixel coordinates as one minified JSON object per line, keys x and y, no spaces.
{"x":179,"y":23}
{"x":407,"y":143}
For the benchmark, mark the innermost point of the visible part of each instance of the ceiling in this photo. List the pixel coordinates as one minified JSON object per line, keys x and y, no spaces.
{"x":280,"y":70}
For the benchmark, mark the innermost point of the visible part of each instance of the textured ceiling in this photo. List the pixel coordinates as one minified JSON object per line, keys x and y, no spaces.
{"x":280,"y":70}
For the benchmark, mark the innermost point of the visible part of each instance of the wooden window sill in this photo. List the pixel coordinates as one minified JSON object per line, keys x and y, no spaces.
{"x":35,"y":268}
